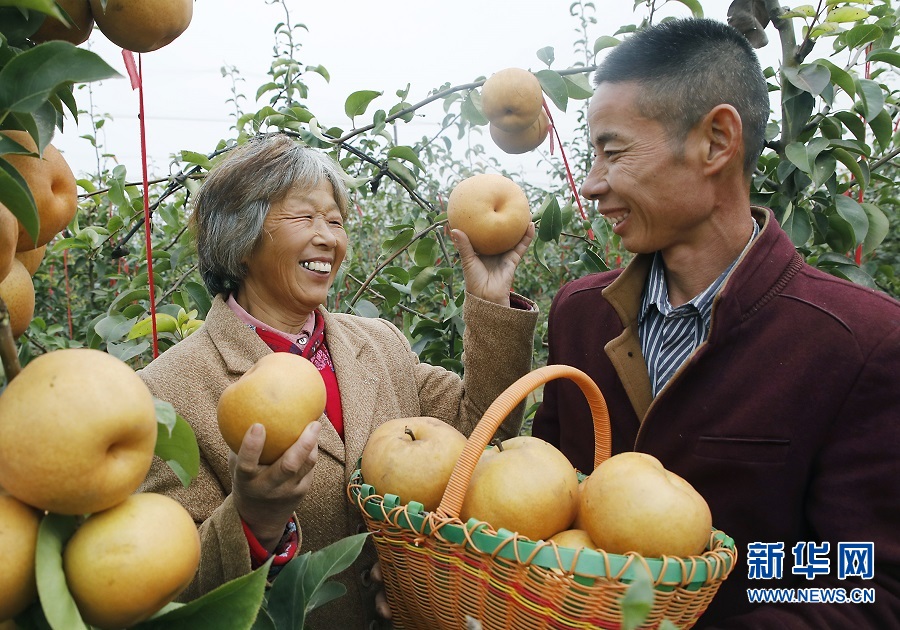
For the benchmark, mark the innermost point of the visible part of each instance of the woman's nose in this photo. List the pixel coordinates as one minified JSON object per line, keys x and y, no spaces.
{"x":322,"y":233}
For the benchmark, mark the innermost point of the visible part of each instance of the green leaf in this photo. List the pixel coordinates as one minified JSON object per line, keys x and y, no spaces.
{"x":605,"y":41}
{"x":862,"y":34}
{"x":164,"y":323}
{"x":871,"y":98}
{"x":176,"y":445}
{"x":694,"y":7}
{"x":797,"y":110}
{"x":578,"y":86}
{"x":846,"y":14}
{"x":803,"y":156}
{"x":321,"y":71}
{"x":885,"y":55}
{"x":357,"y":102}
{"x":852,"y":122}
{"x":551,"y":221}
{"x":804,"y":10}
{"x":200,"y":296}
{"x":847,"y":159}
{"x":471,"y":109}
{"x":399,"y":107}
{"x":232,"y":605}
{"x":128,"y":350}
{"x":879,"y":226}
{"x":592,"y":262}
{"x":839,"y":77}
{"x":302,"y":585}
{"x":127,"y":297}
{"x":823,"y":168}
{"x":822,"y":29}
{"x":797,"y":225}
{"x":425,"y":277}
{"x":638,"y":599}
{"x":539,"y":246}
{"x":425,"y":252}
{"x":28,"y":80}
{"x":44,"y":6}
{"x":853,"y":213}
{"x":546,"y":55}
{"x":16,"y":196}
{"x":196,"y":158}
{"x":811,"y":78}
{"x":406,"y":153}
{"x":379,"y":119}
{"x":364,"y":308}
{"x":404,"y":174}
{"x":56,"y":601}
{"x":165,"y":415}
{"x":882,"y":127}
{"x":554,"y":86}
{"x":114,"y":327}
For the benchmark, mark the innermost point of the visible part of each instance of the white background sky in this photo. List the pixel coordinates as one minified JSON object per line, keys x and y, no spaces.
{"x":365,"y":44}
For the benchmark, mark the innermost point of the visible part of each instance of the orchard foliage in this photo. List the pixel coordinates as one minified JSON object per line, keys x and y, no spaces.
{"x":827,"y":172}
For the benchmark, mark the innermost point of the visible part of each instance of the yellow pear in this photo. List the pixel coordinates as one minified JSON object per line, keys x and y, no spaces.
{"x":492,"y":210}
{"x":77,"y":432}
{"x":522,"y":141}
{"x":526,"y":485}
{"x":412,"y":458}
{"x":574,"y":539}
{"x":76,"y":33}
{"x":124,"y":564}
{"x":512,"y":99}
{"x":9,"y":235}
{"x":142,"y":25}
{"x":630,"y":502}
{"x":18,"y":542}
{"x":52,"y":184}
{"x":17,"y":292}
{"x":282,"y":391}
{"x":32,"y":258}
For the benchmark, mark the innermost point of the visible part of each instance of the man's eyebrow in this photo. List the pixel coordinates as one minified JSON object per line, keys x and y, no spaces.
{"x":604,"y":137}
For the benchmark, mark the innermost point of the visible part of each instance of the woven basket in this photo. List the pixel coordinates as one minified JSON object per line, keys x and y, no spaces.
{"x":438,"y":570}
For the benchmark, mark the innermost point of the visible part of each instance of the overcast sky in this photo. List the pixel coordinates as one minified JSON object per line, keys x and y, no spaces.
{"x":364,"y":44}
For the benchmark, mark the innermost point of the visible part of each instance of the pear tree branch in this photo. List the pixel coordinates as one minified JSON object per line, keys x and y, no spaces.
{"x":8,"y":355}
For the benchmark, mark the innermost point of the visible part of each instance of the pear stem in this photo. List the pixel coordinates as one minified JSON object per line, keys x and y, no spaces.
{"x":8,"y":355}
{"x":410,"y":433}
{"x":498,"y":443}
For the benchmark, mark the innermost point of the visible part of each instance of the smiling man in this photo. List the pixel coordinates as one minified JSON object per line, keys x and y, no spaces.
{"x":768,"y":385}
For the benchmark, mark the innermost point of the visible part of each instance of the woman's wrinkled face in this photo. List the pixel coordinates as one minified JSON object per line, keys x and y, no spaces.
{"x":303,"y":243}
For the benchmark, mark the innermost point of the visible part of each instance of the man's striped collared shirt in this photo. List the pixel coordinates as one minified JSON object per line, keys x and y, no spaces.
{"x":669,"y":335}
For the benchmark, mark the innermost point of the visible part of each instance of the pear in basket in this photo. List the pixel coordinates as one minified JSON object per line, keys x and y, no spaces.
{"x":525,"y":485}
{"x":573,"y":539}
{"x":632,"y":503}
{"x":412,"y":458}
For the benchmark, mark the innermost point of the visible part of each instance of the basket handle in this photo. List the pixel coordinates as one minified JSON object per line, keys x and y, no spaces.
{"x":452,"y":500}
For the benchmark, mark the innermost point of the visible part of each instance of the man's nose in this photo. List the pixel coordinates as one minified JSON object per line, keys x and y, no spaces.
{"x":595,"y":184}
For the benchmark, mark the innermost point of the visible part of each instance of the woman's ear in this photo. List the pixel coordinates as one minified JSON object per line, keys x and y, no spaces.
{"x":722,"y":131}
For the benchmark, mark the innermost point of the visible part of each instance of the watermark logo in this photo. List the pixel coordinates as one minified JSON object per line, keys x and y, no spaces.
{"x":765,"y":561}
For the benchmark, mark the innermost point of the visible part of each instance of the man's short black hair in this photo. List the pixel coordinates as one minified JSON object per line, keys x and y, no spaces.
{"x":686,"y":67}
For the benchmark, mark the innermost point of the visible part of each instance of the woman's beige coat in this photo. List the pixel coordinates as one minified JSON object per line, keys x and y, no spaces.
{"x":380,"y":378}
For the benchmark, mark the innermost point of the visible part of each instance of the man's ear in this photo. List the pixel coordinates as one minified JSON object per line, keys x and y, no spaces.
{"x":723,"y":139}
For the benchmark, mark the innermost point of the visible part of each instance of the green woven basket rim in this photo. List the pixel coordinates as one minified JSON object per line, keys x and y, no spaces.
{"x":713,"y":565}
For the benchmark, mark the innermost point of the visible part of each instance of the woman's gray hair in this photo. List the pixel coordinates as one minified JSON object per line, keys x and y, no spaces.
{"x":232,"y":204}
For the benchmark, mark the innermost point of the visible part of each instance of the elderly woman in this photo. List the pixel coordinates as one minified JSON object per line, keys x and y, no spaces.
{"x":269,"y":223}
